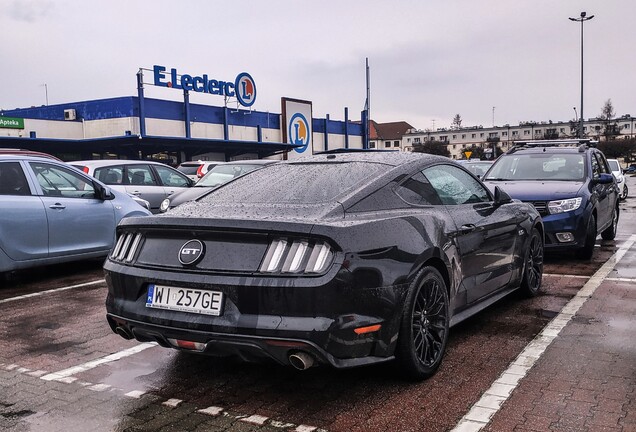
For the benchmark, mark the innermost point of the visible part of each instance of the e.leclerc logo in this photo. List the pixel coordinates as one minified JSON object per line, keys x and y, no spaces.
{"x":298,"y":132}
{"x":243,"y":87}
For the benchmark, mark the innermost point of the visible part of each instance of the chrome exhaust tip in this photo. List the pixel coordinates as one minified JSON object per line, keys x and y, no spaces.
{"x":301,"y":360}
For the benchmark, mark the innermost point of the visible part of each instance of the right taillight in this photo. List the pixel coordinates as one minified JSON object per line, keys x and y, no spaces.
{"x":296,"y":256}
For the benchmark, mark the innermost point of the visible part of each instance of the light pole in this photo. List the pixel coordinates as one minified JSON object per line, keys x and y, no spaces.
{"x":581,"y":19}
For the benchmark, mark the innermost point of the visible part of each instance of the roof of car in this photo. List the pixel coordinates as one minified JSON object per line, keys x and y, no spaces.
{"x":108,"y":162}
{"x":251,"y":162}
{"x":389,"y":158}
{"x":21,"y":152}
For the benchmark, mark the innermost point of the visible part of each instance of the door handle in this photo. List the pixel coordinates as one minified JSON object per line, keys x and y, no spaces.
{"x":468,"y":228}
{"x":57,"y":206}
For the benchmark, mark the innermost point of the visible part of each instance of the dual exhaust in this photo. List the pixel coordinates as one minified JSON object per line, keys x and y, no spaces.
{"x":298,"y":359}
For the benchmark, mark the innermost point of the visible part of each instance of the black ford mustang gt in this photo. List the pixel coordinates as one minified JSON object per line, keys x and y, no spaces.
{"x":340,"y":259}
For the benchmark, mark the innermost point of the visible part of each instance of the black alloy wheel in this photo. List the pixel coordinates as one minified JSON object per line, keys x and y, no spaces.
{"x":624,"y":193}
{"x":424,"y":327}
{"x":533,"y":265}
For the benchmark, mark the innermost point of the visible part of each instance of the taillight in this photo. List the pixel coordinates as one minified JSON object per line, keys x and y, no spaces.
{"x":126,"y":247}
{"x":296,"y":256}
{"x":200,"y":172}
{"x":85,"y":169}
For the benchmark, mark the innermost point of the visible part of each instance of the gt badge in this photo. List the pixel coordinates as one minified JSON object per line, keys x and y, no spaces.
{"x":191,"y":253}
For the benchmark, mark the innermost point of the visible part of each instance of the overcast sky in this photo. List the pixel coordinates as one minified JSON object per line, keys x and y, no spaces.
{"x":429,"y":60}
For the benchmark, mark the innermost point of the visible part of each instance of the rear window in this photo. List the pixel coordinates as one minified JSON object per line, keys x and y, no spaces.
{"x":189,"y":169}
{"x":614,"y":166}
{"x":297,"y":183}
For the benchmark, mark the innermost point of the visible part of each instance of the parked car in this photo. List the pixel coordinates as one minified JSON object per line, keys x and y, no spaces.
{"x":51,"y":213}
{"x":197,"y":169}
{"x":630,"y":169}
{"x":340,"y":259}
{"x":217,"y":176}
{"x":152,"y":181}
{"x":477,"y":167}
{"x":571,"y":185}
{"x":617,"y":171}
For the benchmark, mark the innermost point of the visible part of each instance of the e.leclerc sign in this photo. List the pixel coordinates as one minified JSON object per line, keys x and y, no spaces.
{"x":243,"y":87}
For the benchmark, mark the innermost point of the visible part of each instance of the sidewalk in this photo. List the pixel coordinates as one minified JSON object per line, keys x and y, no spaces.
{"x":586,"y":378}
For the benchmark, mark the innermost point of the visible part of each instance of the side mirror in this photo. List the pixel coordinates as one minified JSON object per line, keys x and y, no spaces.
{"x":104,"y":193}
{"x":501,"y":197}
{"x":605,"y":178}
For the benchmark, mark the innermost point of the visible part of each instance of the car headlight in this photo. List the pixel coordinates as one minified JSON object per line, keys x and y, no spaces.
{"x":620,"y":178}
{"x":562,"y":206}
{"x":165,"y":205}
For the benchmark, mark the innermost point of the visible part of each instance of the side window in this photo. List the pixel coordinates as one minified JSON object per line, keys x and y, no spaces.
{"x":602,"y":163}
{"x":139,"y":175}
{"x":12,"y":179}
{"x":112,"y":175}
{"x":455,"y":186}
{"x":60,"y":182}
{"x":417,"y":190}
{"x":170,"y":178}
{"x":596,"y":169}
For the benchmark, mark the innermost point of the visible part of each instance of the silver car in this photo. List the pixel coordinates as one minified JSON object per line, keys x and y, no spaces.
{"x":152,"y":181}
{"x":51,"y":213}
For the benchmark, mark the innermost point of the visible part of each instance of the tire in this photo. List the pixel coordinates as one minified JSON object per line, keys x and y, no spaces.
{"x":533,"y":265}
{"x":625,"y":192}
{"x":610,"y":231}
{"x":590,"y":238}
{"x":424,"y":327}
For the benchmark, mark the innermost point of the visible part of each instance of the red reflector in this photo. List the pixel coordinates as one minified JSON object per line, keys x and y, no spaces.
{"x":368,"y":329}
{"x":289,"y":344}
{"x":186,"y":344}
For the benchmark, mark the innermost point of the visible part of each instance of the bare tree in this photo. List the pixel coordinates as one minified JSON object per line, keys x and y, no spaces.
{"x":457,"y":122}
{"x":610,"y":127}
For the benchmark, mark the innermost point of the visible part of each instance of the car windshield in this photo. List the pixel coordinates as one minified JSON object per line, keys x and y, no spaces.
{"x":538,"y":166}
{"x":222,"y":174}
{"x":614,"y":165}
{"x":297,"y":183}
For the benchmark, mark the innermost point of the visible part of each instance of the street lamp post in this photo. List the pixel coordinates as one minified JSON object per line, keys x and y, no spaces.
{"x":581,"y":19}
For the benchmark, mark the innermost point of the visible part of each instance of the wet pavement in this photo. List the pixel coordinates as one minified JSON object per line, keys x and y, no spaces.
{"x":62,"y":369}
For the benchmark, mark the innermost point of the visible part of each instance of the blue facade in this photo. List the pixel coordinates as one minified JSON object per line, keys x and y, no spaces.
{"x":128,"y":106}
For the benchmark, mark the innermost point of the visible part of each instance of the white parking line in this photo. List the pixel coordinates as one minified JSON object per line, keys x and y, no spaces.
{"x":67,"y":373}
{"x":566,"y":276}
{"x":491,"y":401}
{"x":628,"y":280}
{"x":37,"y":294}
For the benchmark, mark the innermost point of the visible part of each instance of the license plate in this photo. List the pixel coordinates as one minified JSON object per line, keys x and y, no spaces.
{"x":185,"y":299}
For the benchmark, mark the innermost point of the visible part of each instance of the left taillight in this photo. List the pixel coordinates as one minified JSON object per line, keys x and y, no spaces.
{"x":126,"y":247}
{"x":297,"y":256}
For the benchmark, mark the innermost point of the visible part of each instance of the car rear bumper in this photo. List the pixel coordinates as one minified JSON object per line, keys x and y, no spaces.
{"x":246,"y":347}
{"x":264,"y":319}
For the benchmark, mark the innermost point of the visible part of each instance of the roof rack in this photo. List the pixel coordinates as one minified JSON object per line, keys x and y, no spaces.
{"x":581,"y":143}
